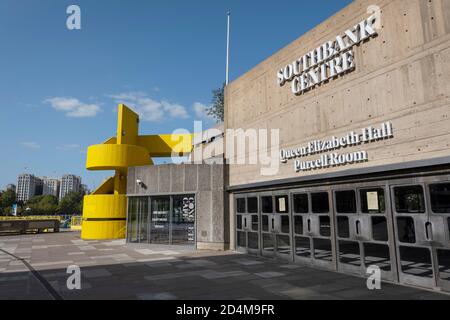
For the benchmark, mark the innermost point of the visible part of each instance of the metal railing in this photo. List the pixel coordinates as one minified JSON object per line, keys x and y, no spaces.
{"x":30,"y":218}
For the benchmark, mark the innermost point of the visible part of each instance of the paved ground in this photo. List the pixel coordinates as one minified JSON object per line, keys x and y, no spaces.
{"x":113,"y":270}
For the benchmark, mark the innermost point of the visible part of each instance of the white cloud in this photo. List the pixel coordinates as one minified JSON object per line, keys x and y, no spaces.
{"x":30,"y":145}
{"x":150,"y":109}
{"x":200,"y":110}
{"x":73,"y":108}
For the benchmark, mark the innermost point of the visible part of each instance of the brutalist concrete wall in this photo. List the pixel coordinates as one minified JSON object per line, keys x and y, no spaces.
{"x":206,"y":181}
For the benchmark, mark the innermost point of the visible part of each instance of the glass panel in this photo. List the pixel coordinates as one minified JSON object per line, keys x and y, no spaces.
{"x":252,"y":205}
{"x":239,"y":222}
{"x":268,"y":243}
{"x":143,"y":219}
{"x":440,"y":198}
{"x":416,"y":261}
{"x":372,"y":200}
{"x":444,"y":264}
{"x":409,"y":199}
{"x":132,"y":219}
{"x":325,"y":227}
{"x":183,"y":220}
{"x":253,"y":240}
{"x":301,"y":203}
{"x":343,"y":227}
{"x":377,"y":254}
{"x":319,"y":202}
{"x":159,"y":232}
{"x":303,"y":247}
{"x":282,"y":204}
{"x":283,"y":244}
{"x":405,"y":229}
{"x":241,"y":239}
{"x":379,"y":229}
{"x":265,"y":223}
{"x":322,"y":249}
{"x":255,"y":222}
{"x":349,"y":253}
{"x":266,"y":204}
{"x":240,"y":205}
{"x":346,"y":201}
{"x":298,"y":224}
{"x":448,"y":225}
{"x":285,"y":224}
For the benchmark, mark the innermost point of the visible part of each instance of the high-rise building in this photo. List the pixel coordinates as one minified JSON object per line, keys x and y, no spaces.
{"x":84,"y":189}
{"x":69,"y":183}
{"x":50,"y":186}
{"x":28,"y":186}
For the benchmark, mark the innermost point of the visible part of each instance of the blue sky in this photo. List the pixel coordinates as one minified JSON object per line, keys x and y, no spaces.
{"x":59,"y":88}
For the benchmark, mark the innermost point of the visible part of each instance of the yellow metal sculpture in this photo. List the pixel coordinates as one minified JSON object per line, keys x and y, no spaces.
{"x":104,"y":211}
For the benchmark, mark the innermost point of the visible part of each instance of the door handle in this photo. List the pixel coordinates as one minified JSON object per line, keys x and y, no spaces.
{"x":358,"y":227}
{"x":309,"y":225}
{"x":429,"y":231}
{"x":273,"y":224}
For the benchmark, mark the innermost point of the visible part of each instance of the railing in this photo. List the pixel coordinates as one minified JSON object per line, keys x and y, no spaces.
{"x":30,"y":218}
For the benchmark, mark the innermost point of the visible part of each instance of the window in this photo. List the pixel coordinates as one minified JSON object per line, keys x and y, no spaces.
{"x":298,"y":224}
{"x":379,"y":229}
{"x":282,"y":204}
{"x":372,"y":200}
{"x":405,"y":229}
{"x":240,"y":205}
{"x":349,"y":253}
{"x":320,"y":202}
{"x":301,"y":203}
{"x":252,"y":205}
{"x":285,"y":224}
{"x":440,"y":198}
{"x":265,"y":223}
{"x":239,"y":222}
{"x":409,"y":199}
{"x":346,"y":201}
{"x":266,"y":204}
{"x":325,"y":227}
{"x":255,"y":223}
{"x":343,"y":227}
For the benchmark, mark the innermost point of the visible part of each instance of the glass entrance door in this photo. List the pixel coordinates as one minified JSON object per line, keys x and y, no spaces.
{"x":364,"y":231}
{"x":247,"y":224}
{"x":160,"y":220}
{"x":183,"y":220}
{"x":313,"y":228}
{"x":422,"y":214}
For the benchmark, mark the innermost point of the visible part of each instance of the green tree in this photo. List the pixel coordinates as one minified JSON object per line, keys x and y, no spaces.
{"x":72,"y":203}
{"x":217,"y":108}
{"x":7,"y":199}
{"x":43,"y":205}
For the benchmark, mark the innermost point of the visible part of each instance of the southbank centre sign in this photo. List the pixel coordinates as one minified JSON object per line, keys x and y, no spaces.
{"x":328,"y":61}
{"x":333,"y":159}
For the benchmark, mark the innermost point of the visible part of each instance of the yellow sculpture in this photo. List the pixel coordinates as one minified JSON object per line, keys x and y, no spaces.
{"x":104,"y":211}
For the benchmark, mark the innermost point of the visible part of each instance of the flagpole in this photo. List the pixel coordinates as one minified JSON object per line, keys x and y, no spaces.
{"x":228,"y":47}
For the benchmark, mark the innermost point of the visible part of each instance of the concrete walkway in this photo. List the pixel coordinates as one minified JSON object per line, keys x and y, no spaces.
{"x":114,"y":270}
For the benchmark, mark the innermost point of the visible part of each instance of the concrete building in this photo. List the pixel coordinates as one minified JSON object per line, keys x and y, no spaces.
{"x":69,"y":183}
{"x":27,"y":186}
{"x":50,"y":186}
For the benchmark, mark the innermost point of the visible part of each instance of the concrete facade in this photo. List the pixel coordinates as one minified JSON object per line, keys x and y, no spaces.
{"x":204,"y":180}
{"x":402,"y":75}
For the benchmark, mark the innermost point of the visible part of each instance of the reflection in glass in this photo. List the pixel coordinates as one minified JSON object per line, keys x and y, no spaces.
{"x":349,"y":253}
{"x":325,"y":227}
{"x":322,"y":249}
{"x":268,"y":242}
{"x":440,"y":198}
{"x":266,"y":204}
{"x":416,"y":261}
{"x":253,"y":240}
{"x":252,"y":205}
{"x":143,"y":218}
{"x":160,"y":224}
{"x":132,"y":220}
{"x":283,"y":244}
{"x":183,"y":219}
{"x":345,"y":201}
{"x":379,"y":229}
{"x":343,"y":227}
{"x":241,"y":239}
{"x":255,"y":222}
{"x":444,"y":263}
{"x":298,"y":224}
{"x":377,"y":254}
{"x":303,"y":247}
{"x":319,"y":202}
{"x":265,"y":223}
{"x":285,"y":224}
{"x":372,"y":200}
{"x":240,"y":205}
{"x":406,"y":230}
{"x":301,"y":203}
{"x":239,"y":222}
{"x":409,"y":199}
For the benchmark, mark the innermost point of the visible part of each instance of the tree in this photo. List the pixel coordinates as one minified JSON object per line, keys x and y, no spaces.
{"x":7,"y":199}
{"x":217,"y":108}
{"x":43,"y":205}
{"x":71,"y":204}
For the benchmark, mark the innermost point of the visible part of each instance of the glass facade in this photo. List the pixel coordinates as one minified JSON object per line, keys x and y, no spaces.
{"x":162,"y":219}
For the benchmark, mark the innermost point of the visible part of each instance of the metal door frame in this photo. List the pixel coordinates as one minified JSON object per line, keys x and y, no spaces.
{"x":247,"y":229}
{"x":277,"y":230}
